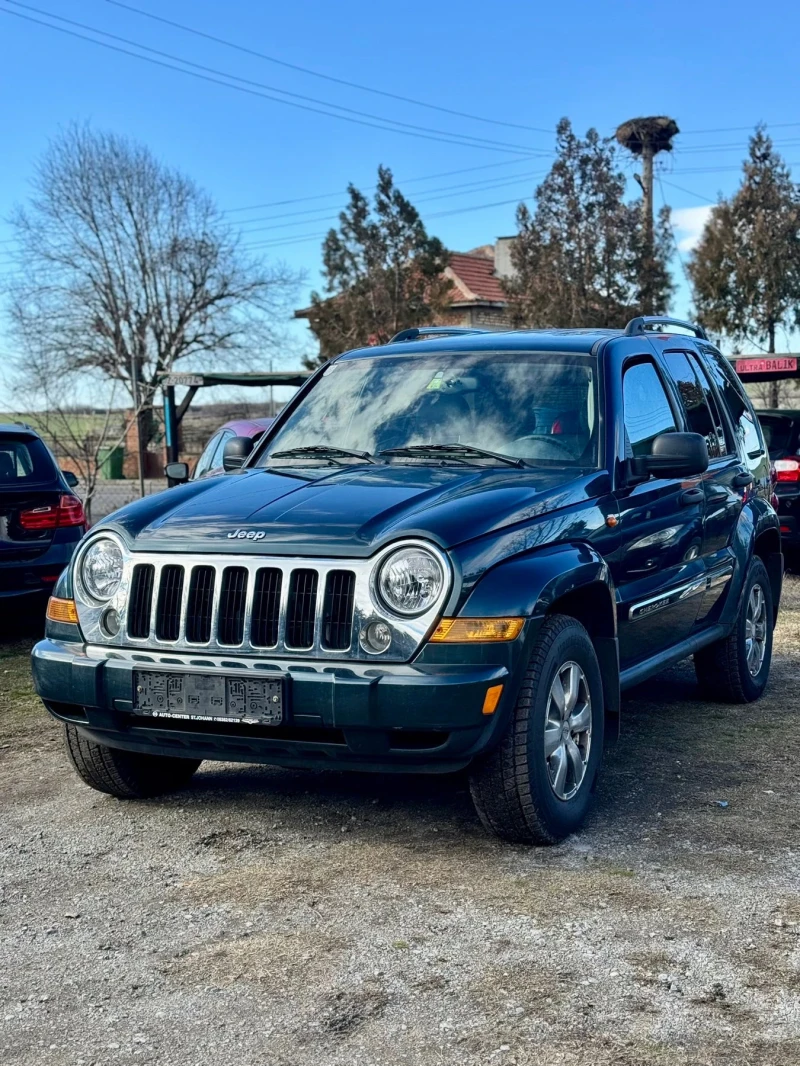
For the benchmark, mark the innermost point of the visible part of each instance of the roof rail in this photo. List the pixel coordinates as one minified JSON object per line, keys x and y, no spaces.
{"x":638,"y":327}
{"x":419,"y":333}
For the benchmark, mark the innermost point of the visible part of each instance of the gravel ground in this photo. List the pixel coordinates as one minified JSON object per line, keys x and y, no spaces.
{"x":277,"y":918}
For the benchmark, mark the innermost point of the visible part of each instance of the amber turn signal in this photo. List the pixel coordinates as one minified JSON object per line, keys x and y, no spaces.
{"x":492,"y":698}
{"x":477,"y":630}
{"x":62,"y":610}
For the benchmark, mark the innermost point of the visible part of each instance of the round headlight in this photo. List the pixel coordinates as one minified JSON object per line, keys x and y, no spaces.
{"x":101,"y":569}
{"x":410,"y":581}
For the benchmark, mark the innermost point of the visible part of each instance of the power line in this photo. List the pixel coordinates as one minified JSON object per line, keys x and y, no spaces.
{"x":215,"y":76}
{"x":405,"y":181}
{"x":440,"y":194}
{"x":738,"y":129}
{"x":324,"y":77}
{"x":680,"y":188}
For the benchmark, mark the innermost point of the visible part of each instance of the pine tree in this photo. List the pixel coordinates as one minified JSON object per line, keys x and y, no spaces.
{"x":382,"y":271}
{"x":746,"y":269}
{"x":578,"y":255}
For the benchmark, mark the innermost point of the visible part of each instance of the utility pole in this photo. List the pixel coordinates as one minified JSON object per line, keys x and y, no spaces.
{"x":646,"y":137}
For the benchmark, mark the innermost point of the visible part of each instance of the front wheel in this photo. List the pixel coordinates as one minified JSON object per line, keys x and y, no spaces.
{"x":125,"y":774}
{"x":736,"y":668}
{"x":536,"y":787}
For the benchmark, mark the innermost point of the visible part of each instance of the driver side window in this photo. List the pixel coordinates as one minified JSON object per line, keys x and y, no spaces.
{"x":647,"y":410}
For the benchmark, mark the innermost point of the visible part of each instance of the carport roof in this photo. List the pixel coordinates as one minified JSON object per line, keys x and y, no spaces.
{"x":295,"y":378}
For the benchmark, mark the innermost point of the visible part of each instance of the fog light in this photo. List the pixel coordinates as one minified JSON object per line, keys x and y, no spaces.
{"x":110,"y":622}
{"x":376,"y":637}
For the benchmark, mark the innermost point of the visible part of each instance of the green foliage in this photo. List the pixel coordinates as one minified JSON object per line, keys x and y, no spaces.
{"x":579,"y":257}
{"x":383,"y":273}
{"x":746,"y":269}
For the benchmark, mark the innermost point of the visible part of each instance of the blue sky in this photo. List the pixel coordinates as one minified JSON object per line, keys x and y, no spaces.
{"x":714,"y":66}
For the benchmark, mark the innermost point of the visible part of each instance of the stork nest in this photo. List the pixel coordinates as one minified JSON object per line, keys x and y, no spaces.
{"x":637,"y":132}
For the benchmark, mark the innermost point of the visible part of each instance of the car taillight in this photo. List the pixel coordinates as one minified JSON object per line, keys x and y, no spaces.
{"x":67,"y":512}
{"x":787,"y":470}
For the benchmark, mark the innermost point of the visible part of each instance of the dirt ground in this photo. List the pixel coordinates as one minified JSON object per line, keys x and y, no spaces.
{"x":274,"y":918}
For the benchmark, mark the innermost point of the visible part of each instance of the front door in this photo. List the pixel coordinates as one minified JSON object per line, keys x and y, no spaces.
{"x":657,"y":564}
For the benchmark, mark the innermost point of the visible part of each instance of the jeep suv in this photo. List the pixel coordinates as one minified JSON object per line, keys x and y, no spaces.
{"x":441,"y":556}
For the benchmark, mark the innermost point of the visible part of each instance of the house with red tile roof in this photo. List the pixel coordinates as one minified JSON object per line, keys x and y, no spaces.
{"x":477,"y":298}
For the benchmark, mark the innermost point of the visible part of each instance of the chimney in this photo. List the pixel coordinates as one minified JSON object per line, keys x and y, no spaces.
{"x":503,"y":267}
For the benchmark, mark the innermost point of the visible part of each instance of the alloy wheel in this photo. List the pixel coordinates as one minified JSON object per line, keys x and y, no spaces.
{"x":755,"y":630}
{"x":568,"y":730}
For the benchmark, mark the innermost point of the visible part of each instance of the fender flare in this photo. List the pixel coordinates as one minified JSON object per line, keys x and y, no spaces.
{"x":528,"y":586}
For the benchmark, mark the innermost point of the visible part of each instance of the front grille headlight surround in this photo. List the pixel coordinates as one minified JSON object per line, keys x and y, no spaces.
{"x":411,"y":580}
{"x":99,"y":569}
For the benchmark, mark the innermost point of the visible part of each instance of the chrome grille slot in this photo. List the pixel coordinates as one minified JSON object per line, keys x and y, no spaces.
{"x":168,"y":608}
{"x":265,"y":626}
{"x":302,"y":608}
{"x":337,"y":610}
{"x":232,"y":605}
{"x":141,"y":600}
{"x":200,"y":605}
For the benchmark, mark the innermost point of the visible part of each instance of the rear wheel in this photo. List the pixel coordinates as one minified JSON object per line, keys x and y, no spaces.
{"x":125,"y":774}
{"x":536,"y":788}
{"x":736,"y":669}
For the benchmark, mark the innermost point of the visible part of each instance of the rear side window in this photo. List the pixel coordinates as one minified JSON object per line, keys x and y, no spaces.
{"x":24,"y":461}
{"x":702,"y":413}
{"x":744,"y":421}
{"x":647,"y":409}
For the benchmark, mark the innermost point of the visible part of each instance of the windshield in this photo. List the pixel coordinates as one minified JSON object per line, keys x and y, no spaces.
{"x":539,"y":407}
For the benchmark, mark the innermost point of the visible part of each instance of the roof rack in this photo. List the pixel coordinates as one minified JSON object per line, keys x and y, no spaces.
{"x":421,"y":332}
{"x":644,"y":324}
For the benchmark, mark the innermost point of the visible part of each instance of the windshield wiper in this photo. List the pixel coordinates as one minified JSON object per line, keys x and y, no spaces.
{"x":321,"y":451}
{"x":452,"y":451}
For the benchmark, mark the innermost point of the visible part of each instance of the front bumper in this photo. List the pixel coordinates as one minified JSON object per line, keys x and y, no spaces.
{"x":381,"y":717}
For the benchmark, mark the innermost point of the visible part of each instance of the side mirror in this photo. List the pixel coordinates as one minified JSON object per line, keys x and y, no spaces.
{"x":178,"y":473}
{"x":672,"y":455}
{"x":235,"y":452}
{"x":70,"y":478}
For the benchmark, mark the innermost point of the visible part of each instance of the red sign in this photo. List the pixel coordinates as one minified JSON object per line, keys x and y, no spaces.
{"x":778,"y":364}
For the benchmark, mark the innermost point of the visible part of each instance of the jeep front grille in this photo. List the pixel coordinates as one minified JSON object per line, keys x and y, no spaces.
{"x":246,"y":607}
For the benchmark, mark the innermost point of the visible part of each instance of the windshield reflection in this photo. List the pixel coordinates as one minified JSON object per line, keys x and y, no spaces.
{"x":541,"y":407}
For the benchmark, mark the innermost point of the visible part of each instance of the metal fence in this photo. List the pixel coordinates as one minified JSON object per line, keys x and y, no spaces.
{"x":110,"y":495}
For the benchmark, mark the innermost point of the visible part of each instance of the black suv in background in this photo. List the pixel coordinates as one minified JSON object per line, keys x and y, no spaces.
{"x":41,"y":518}
{"x":782,"y":434}
{"x":441,"y":556}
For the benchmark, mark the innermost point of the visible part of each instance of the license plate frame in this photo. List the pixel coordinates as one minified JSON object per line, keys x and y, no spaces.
{"x":205,"y":697}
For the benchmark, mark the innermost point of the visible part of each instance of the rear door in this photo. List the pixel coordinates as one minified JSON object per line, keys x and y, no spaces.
{"x":657,"y":566}
{"x":30,"y":487}
{"x":744,"y":470}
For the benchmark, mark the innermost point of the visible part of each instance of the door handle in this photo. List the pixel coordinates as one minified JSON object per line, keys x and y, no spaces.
{"x":743,"y":479}
{"x":691,"y":496}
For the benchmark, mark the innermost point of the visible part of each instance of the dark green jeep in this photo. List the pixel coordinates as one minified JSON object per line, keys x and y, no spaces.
{"x":447,"y":553}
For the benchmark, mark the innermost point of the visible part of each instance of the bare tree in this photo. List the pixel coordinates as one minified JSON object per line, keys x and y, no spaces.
{"x":126,"y":267}
{"x":81,"y":416}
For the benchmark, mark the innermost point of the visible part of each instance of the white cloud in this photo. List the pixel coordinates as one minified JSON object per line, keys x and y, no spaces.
{"x":689,"y":223}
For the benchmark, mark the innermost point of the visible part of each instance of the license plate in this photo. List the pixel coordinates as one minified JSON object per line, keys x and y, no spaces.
{"x":208,"y":697}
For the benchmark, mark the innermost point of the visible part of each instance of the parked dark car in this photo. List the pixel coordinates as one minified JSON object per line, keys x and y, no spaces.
{"x":41,"y":518}
{"x":210,"y":461}
{"x":410,"y":572}
{"x":782,"y":434}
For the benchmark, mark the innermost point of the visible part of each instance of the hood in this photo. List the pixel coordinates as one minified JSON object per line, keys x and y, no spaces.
{"x":351,"y":511}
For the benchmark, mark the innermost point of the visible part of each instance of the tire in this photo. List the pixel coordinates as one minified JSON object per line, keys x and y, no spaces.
{"x":125,"y":774}
{"x":723,"y":670}
{"x":511,"y":787}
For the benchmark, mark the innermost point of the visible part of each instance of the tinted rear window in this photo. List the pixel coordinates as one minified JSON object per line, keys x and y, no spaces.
{"x":24,"y":461}
{"x":780,"y":434}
